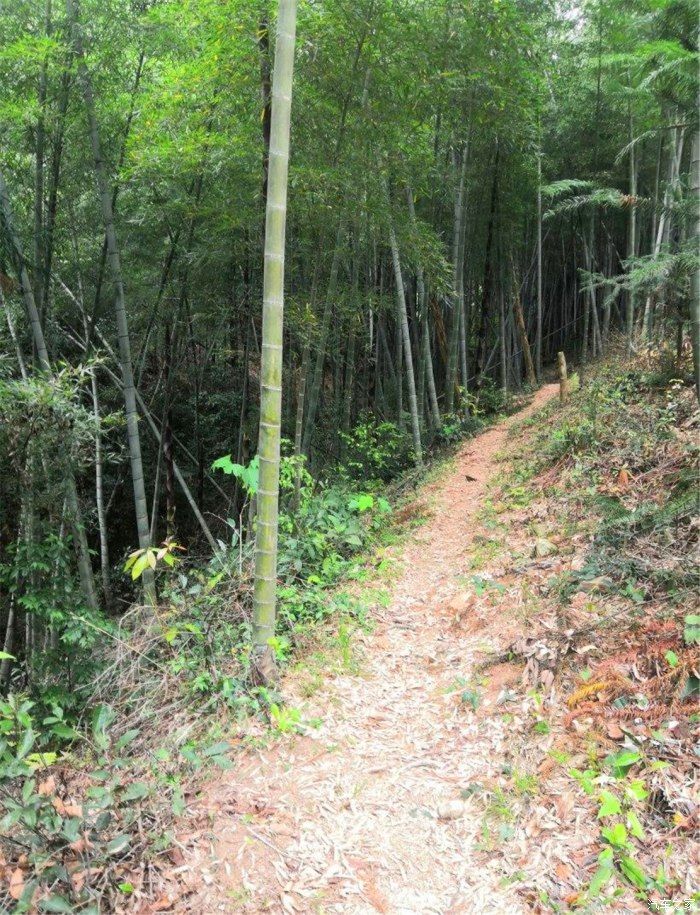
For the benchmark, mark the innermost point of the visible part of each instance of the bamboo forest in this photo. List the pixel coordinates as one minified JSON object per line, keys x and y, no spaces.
{"x":349,"y":438}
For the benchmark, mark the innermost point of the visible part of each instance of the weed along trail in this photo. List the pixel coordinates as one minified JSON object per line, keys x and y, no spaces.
{"x":371,"y":811}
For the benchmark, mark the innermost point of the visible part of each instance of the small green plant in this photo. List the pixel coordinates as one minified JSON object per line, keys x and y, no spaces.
{"x":140,"y":560}
{"x":622,"y":824}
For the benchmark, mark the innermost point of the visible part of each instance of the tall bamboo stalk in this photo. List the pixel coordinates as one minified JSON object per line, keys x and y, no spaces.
{"x":265,"y":592}
{"x":113,"y":257}
{"x":408,"y":355}
{"x":631,"y":230}
{"x":457,"y":281}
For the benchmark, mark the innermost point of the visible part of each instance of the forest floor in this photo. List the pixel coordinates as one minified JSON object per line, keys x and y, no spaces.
{"x":370,"y":811}
{"x":512,"y":731}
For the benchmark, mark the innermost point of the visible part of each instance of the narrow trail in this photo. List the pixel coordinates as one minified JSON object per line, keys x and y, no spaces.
{"x":360,"y":816}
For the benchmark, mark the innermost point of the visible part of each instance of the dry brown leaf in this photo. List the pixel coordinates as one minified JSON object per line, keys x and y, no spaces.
{"x":78,"y":880}
{"x":17,"y":883}
{"x":564,"y":804}
{"x":47,"y":787}
{"x":624,"y":478}
{"x":80,"y":845}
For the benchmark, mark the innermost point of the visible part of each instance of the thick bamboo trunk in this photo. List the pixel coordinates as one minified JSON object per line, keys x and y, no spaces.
{"x":265,"y":590}
{"x":129,"y":389}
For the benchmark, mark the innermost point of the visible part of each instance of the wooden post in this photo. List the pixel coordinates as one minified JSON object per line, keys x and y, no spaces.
{"x":563,"y":378}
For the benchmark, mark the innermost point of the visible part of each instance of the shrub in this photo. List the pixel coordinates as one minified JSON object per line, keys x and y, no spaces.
{"x":376,"y":450}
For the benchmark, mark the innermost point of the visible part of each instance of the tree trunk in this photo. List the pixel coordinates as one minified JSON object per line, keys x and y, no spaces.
{"x":265,"y":590}
{"x":662,"y":230}
{"x":408,"y":355}
{"x":167,"y":434}
{"x":39,"y":176}
{"x":317,"y":377}
{"x":631,"y":233}
{"x":457,"y":290}
{"x":502,"y":339}
{"x":134,"y":440}
{"x":529,"y":364}
{"x":487,"y":288}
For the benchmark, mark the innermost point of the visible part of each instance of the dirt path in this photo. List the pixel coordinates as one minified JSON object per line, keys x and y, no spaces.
{"x":364,"y":815}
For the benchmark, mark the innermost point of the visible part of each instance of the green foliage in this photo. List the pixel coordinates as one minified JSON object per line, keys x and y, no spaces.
{"x":322,"y":527}
{"x":140,"y":560}
{"x":377,"y":450}
{"x":247,"y":475}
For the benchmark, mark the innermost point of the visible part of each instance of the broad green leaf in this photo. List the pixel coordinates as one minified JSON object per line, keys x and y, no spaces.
{"x":691,"y":629}
{"x":616,"y":835}
{"x":621,"y":762}
{"x":139,"y":566}
{"x":633,"y":871}
{"x":609,"y":804}
{"x":135,"y":791}
{"x":118,"y":844}
{"x":217,"y":749}
{"x":637,"y":790}
{"x":127,"y":738}
{"x":26,"y":743}
{"x":600,"y":878}
{"x":634,"y":826}
{"x":56,"y":903}
{"x":63,"y":730}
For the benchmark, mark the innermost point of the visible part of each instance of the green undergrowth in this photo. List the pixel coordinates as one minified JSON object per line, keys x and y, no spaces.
{"x":622,"y":461}
{"x":611,"y":478}
{"x":96,"y":762}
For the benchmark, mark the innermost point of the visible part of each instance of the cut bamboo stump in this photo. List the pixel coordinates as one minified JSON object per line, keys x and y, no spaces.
{"x":563,"y":378}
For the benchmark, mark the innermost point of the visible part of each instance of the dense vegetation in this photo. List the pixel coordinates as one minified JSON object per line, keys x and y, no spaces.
{"x":473,"y":188}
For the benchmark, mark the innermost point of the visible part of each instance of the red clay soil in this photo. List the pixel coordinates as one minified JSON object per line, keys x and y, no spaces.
{"x":365,"y":813}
